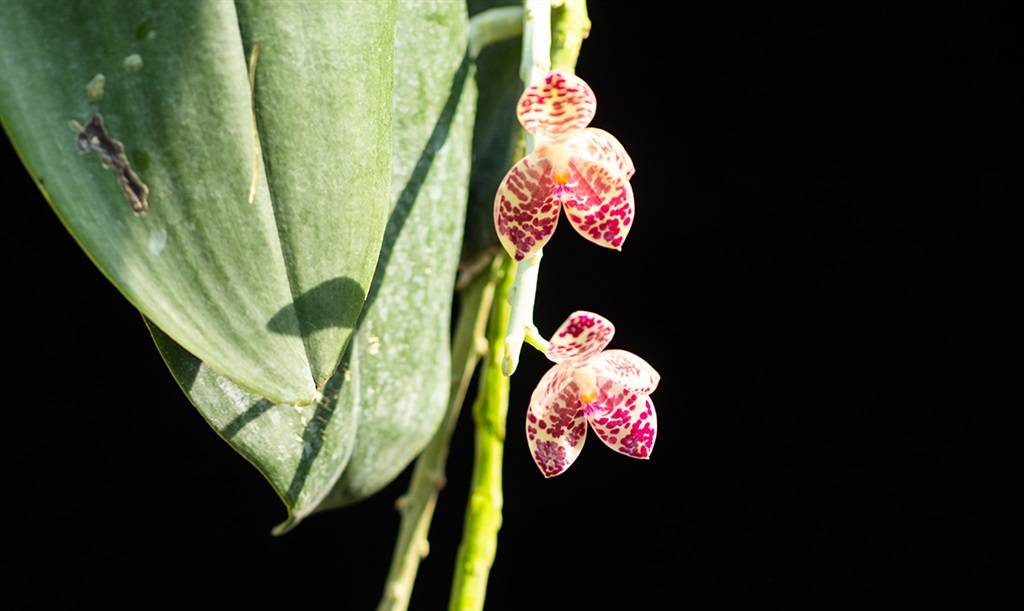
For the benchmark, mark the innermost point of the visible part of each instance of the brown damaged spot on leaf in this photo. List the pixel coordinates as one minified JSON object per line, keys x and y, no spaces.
{"x":94,"y":137}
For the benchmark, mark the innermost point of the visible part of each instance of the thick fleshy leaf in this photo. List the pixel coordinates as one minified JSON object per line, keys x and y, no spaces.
{"x":624,"y":420}
{"x":557,"y":106}
{"x":406,"y":325}
{"x":580,"y":337}
{"x":555,"y":424}
{"x":525,"y":209}
{"x":300,"y":450}
{"x":253,"y":248}
{"x":314,"y":160}
{"x":387,"y":398}
{"x":602,"y":215}
{"x":627,"y":369}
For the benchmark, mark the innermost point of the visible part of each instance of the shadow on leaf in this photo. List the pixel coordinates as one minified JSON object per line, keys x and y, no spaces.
{"x":322,"y":307}
{"x":331,"y":304}
{"x":411,"y":190}
{"x":255,"y":411}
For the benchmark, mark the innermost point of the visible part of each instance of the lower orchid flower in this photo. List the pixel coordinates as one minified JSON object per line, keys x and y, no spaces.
{"x":609,"y":389}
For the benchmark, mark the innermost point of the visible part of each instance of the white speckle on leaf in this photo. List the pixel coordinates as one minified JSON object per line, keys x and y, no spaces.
{"x":157,"y":241}
{"x":237,"y":398}
{"x":94,"y":88}
{"x":133,"y":63}
{"x":373,"y":345}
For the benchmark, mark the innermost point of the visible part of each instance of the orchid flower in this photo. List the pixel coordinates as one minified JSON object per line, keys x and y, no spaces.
{"x":610,"y":389}
{"x":586,"y":170}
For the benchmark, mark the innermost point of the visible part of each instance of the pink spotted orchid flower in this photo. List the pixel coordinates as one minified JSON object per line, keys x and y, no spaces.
{"x":585,"y":170}
{"x":609,"y":389}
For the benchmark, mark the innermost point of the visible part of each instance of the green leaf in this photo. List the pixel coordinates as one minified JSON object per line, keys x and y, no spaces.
{"x":301,"y":450}
{"x":390,"y":393}
{"x":405,"y":330}
{"x":265,"y":292}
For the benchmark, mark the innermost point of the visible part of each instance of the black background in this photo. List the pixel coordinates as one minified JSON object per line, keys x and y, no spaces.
{"x":819,"y":269}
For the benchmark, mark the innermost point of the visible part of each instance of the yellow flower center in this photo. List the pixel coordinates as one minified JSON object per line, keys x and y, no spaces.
{"x":586,"y":383}
{"x":557,"y":154}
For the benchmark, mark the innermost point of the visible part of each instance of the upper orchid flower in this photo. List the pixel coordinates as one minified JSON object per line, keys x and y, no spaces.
{"x":584,"y":169}
{"x":608,"y":389}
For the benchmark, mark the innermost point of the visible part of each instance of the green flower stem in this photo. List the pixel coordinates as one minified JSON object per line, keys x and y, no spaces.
{"x":483,"y":515}
{"x":513,"y":303}
{"x":494,"y":25}
{"x":536,"y":58}
{"x":535,"y":64}
{"x":570,"y":25}
{"x":521,"y":327}
{"x":428,"y":477}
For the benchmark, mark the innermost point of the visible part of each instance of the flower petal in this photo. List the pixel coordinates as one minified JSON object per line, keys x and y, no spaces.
{"x":624,"y":420}
{"x":602,"y":218}
{"x":525,"y":212}
{"x":557,"y":106}
{"x":593,"y":146}
{"x":627,"y":369}
{"x":597,"y":196}
{"x":555,"y":425}
{"x":581,"y":336}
